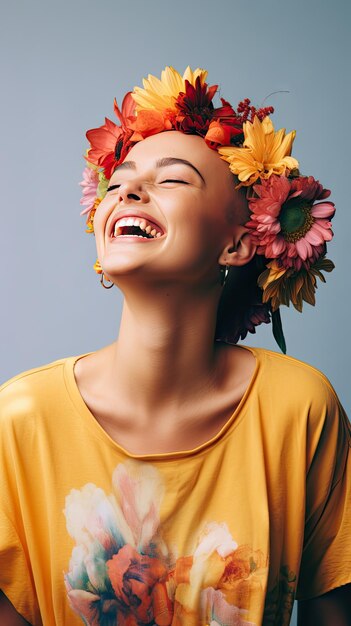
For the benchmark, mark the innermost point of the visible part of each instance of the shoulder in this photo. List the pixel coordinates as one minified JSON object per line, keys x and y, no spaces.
{"x":299,"y":399}
{"x":296,"y":392}
{"x":284,"y":374}
{"x":27,"y":392}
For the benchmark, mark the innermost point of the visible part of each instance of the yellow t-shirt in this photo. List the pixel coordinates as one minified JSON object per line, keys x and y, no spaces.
{"x":227,"y":533}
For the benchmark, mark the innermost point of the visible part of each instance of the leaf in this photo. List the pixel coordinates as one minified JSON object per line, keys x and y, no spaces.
{"x":326,"y":265}
{"x":278,"y":330}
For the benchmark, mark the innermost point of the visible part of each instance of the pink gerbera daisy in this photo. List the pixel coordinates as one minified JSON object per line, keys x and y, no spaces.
{"x":287,"y":223}
{"x":89,"y":186}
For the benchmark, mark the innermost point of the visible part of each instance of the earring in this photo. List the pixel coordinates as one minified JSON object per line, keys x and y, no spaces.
{"x":224,"y":273}
{"x":103,"y":284}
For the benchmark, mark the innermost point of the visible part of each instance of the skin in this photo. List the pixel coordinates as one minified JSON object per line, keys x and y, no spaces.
{"x":171,"y":287}
{"x":8,"y":614}
{"x":165,"y":373}
{"x":330,"y":609}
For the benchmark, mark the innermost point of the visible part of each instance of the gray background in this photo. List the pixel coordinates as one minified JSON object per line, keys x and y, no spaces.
{"x":62,"y":64}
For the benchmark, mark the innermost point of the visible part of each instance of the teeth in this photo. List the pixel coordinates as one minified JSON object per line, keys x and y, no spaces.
{"x":135,"y":221}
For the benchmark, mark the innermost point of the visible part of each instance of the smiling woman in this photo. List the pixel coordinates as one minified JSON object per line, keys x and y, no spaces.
{"x":158,"y":486}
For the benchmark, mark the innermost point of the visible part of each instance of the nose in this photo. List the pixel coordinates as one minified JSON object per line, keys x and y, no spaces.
{"x":132,"y":191}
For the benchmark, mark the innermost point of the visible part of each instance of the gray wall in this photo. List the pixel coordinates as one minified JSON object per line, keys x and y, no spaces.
{"x":62,"y":64}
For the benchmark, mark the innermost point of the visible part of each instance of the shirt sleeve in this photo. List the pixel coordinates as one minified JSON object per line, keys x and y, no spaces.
{"x":16,"y":580}
{"x":326,"y":555}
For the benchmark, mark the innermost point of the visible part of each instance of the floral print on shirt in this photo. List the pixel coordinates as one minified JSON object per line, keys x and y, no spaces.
{"x":123,"y":572}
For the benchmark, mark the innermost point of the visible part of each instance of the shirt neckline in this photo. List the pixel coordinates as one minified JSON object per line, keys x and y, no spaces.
{"x":94,"y":426}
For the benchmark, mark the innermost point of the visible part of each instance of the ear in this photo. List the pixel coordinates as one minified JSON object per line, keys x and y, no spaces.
{"x":240,"y":251}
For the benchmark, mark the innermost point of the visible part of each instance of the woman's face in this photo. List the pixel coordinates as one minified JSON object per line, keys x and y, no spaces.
{"x":177,"y":195}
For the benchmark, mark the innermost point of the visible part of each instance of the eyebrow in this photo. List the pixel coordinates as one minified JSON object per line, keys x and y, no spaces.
{"x":164,"y":162}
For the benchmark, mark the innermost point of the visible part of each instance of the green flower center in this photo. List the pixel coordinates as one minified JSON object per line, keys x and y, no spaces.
{"x":295,"y":221}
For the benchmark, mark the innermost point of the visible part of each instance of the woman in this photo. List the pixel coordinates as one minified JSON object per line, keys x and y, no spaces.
{"x":174,"y":477}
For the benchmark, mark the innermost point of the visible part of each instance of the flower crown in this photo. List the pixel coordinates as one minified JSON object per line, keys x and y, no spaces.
{"x":289,"y":217}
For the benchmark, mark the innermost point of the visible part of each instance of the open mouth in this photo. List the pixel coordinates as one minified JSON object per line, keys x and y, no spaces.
{"x":136,"y":227}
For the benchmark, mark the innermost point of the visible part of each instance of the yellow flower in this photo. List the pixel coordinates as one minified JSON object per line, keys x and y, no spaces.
{"x":264,"y":152}
{"x":161,"y":94}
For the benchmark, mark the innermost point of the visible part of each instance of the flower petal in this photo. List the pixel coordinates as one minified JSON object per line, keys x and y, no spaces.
{"x":304,"y":248}
{"x":323,"y":209}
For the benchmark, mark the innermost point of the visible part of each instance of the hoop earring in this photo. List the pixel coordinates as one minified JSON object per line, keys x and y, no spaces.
{"x":224,"y":273}
{"x":103,"y":284}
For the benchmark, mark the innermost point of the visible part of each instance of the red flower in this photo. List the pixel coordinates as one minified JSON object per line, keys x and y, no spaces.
{"x":195,"y":108}
{"x":231,"y":121}
{"x":110,"y":143}
{"x":217,"y":135}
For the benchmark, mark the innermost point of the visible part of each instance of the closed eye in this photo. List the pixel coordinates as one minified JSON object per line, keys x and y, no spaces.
{"x":168,"y":180}
{"x":174,"y":180}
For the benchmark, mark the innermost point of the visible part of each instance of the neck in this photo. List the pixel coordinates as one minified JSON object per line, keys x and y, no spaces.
{"x":166,"y":350}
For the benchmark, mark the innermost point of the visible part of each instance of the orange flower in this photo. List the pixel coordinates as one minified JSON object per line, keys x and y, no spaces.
{"x":134,"y":577}
{"x":282,"y":286}
{"x":109,"y":142}
{"x":218,"y":134}
{"x":103,"y":143}
{"x":243,"y":576}
{"x":148,"y":122}
{"x":241,"y":563}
